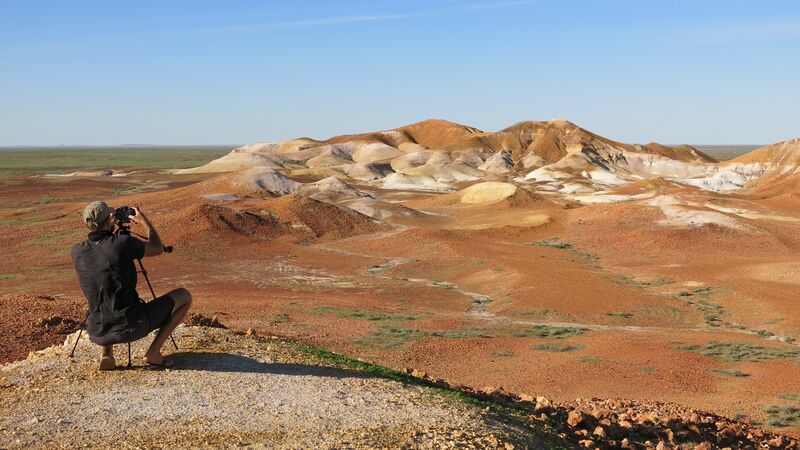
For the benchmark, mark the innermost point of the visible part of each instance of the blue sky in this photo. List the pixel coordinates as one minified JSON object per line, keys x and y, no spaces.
{"x":214,"y":72}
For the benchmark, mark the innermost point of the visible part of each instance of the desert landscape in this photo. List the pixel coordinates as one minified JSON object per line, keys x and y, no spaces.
{"x":540,"y":265}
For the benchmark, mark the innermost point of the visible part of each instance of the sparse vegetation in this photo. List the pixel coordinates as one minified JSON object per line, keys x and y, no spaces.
{"x":589,"y":359}
{"x":729,"y":351}
{"x":386,"y":338}
{"x":775,"y":320}
{"x":75,"y":232}
{"x":443,"y":284}
{"x":552,"y":242}
{"x":46,"y":199}
{"x":127,"y":190}
{"x":391,"y":336}
{"x":698,"y":299}
{"x":706,"y":292}
{"x":298,"y":163}
{"x":543,"y":331}
{"x":542,"y":314}
{"x":18,"y":221}
{"x":280,"y":318}
{"x":589,"y":259}
{"x":621,"y":315}
{"x":557,"y":348}
{"x":733,"y":373}
{"x":378,"y":268}
{"x":363,"y":314}
{"x":538,"y":313}
{"x":59,"y":160}
{"x":637,"y":282}
{"x":782,"y":416}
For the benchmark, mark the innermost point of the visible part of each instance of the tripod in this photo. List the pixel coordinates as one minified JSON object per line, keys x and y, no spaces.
{"x":124,"y":229}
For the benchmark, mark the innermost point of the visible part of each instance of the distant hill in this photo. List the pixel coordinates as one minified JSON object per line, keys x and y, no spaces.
{"x":726,"y":152}
{"x":554,"y":155}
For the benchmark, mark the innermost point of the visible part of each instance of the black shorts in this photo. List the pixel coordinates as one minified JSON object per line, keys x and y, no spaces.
{"x":159,"y":311}
{"x":155,"y":314}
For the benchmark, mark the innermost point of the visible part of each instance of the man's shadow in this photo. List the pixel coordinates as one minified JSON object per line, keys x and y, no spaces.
{"x":226,"y":362}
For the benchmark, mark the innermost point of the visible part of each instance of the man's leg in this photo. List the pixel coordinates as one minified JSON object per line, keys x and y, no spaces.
{"x":107,"y":357}
{"x":183,"y":300}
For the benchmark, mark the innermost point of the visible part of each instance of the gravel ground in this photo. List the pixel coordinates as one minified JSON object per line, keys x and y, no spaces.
{"x":229,"y":389}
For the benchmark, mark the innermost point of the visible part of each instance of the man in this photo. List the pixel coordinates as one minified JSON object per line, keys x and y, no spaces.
{"x":107,"y":275}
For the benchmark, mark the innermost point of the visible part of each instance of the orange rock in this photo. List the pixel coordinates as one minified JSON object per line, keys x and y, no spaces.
{"x":574,"y":418}
{"x":777,"y":441}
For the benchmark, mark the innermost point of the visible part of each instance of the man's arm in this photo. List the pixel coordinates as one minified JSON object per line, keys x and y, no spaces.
{"x":153,"y":245}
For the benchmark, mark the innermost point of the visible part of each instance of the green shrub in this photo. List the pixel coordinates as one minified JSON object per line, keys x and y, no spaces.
{"x":730,"y":373}
{"x":783,"y":416}
{"x":558,"y":348}
{"x":729,"y":351}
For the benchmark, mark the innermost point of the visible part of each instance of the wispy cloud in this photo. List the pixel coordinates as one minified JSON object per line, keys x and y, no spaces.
{"x":494,"y":5}
{"x":283,"y":25}
{"x":341,"y":20}
{"x":734,"y":33}
{"x":35,"y":49}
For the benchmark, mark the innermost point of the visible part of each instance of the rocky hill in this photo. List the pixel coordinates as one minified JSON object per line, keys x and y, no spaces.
{"x":555,"y":155}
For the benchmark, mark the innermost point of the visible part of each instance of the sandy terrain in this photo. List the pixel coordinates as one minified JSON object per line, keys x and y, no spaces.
{"x":231,"y":390}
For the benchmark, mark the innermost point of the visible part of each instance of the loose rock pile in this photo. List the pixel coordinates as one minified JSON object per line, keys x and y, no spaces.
{"x":33,"y":322}
{"x":59,"y":324}
{"x":199,"y":320}
{"x":627,"y":424}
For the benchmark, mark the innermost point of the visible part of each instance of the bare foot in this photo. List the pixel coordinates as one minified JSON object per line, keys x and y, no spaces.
{"x":154,"y":358}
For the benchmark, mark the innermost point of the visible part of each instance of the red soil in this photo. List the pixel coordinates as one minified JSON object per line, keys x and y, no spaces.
{"x":35,"y":322}
{"x":321,"y":274}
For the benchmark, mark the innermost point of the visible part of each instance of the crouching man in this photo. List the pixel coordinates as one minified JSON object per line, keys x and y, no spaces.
{"x":106,"y":272}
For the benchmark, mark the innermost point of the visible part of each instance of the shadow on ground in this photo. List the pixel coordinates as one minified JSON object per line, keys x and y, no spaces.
{"x":226,"y":362}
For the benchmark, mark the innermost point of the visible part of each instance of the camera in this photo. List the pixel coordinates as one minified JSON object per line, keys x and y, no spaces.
{"x":123,"y":213}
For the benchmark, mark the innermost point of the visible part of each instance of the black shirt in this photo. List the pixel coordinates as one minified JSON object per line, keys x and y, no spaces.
{"x":107,"y":275}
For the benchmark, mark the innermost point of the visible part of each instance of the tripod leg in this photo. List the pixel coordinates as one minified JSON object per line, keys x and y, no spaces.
{"x":147,"y":279}
{"x":129,"y":355}
{"x":72,"y":353}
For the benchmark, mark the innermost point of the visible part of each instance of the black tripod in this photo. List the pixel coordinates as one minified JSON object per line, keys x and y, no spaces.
{"x":124,"y":229}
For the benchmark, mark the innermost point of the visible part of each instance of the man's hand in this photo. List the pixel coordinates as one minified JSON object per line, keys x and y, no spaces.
{"x":153,"y":246}
{"x":140,"y":219}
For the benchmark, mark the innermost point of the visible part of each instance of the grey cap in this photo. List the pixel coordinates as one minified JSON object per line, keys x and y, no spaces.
{"x":97,"y":212}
